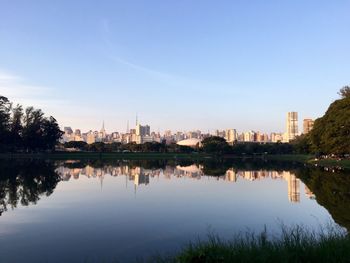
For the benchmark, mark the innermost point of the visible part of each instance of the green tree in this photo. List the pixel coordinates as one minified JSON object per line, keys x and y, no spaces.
{"x":215,"y":144}
{"x":345,"y":92}
{"x":32,"y":130}
{"x":331,"y":133}
{"x":51,"y":133}
{"x":302,"y":144}
{"x":28,"y":130}
{"x":76,"y":144}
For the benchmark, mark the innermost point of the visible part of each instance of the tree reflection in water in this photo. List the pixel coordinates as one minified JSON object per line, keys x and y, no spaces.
{"x":332,"y":191}
{"x":24,"y":181}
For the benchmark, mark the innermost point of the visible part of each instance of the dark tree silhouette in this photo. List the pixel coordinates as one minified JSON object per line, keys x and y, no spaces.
{"x":27,"y":131}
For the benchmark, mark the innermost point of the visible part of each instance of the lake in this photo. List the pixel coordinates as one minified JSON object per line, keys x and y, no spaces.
{"x":102,"y":210}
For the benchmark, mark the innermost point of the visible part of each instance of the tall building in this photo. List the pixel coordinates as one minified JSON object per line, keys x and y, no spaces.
{"x":231,"y":136}
{"x":308,"y":125}
{"x":143,"y":130}
{"x":77,"y":132}
{"x":68,"y":130}
{"x":292,"y":126}
{"x":102,"y":133}
{"x":90,"y":138}
{"x":249,"y":136}
{"x":276,"y":137}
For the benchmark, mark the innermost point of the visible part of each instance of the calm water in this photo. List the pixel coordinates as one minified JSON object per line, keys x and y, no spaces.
{"x":85,"y":211}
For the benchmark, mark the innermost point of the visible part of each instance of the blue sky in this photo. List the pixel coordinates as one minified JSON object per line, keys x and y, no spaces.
{"x":180,"y":65}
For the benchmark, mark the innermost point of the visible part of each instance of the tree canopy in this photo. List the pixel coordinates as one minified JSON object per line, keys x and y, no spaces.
{"x":345,"y":92}
{"x":331,"y":133}
{"x":27,"y":130}
{"x":215,"y":144}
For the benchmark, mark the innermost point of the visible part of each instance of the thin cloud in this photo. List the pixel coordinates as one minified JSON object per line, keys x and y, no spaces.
{"x":18,"y":90}
{"x":171,"y":80}
{"x":14,"y":86}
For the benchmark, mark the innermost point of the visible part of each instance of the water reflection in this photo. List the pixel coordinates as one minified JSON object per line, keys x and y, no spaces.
{"x":24,"y":182}
{"x":141,"y":176}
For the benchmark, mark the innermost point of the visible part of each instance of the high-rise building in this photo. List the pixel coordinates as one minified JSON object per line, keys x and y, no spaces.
{"x":308,"y":125}
{"x":143,"y":130}
{"x":231,"y":135}
{"x":292,"y":126}
{"x":167,"y":133}
{"x":102,"y":133}
{"x":90,"y":138}
{"x":68,"y":130}
{"x":276,"y":137}
{"x":249,"y":136}
{"x":77,"y":132}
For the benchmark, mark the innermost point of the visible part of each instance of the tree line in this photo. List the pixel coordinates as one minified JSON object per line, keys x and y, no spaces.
{"x":26,"y":130}
{"x":218,"y":145}
{"x":154,"y":147}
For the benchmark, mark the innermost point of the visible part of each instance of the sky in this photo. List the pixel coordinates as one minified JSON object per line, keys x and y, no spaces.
{"x":178,"y":65}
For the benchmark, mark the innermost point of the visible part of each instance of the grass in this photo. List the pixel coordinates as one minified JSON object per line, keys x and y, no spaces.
{"x":295,"y":245}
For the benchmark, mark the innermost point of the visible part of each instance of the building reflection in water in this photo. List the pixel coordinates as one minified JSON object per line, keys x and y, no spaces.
{"x":141,"y":176}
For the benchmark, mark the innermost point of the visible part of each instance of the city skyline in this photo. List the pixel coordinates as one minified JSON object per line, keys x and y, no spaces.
{"x":181,"y":65}
{"x":143,"y":133}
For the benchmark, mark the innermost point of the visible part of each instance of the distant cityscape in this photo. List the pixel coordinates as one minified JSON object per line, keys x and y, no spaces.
{"x":141,"y":176}
{"x":142,"y":134}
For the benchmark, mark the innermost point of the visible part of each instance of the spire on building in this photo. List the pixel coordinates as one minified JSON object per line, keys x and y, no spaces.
{"x":127,"y":127}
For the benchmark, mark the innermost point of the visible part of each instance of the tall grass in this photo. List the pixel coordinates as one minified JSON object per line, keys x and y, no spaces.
{"x":296,"y":244}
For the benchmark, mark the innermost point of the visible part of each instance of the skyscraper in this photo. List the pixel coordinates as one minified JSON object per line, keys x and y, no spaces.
{"x":308,"y":125}
{"x":292,"y":126}
{"x":231,"y":136}
{"x":102,"y":134}
{"x":143,"y":130}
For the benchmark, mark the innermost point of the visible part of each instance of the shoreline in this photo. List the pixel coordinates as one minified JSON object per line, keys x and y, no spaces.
{"x":300,"y":158}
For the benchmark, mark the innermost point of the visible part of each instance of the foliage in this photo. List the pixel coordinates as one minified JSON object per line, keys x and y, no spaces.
{"x":152,"y":147}
{"x":252,"y":148}
{"x":331,"y":133}
{"x":345,"y":92}
{"x":302,"y":144}
{"x":27,"y":131}
{"x":81,"y":145}
{"x":215,"y":144}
